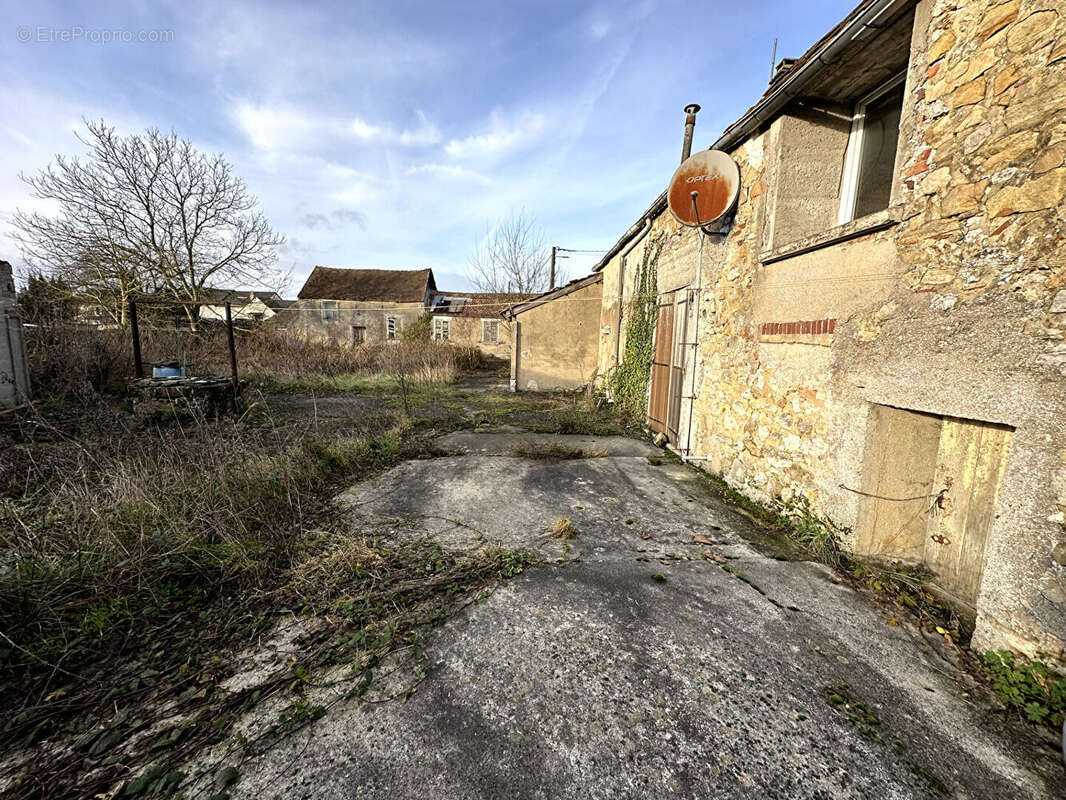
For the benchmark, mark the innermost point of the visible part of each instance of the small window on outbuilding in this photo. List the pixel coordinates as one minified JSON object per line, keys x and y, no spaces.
{"x":391,"y":327}
{"x":358,"y":334}
{"x":442,"y":328}
{"x":490,"y":331}
{"x":870,"y":161}
{"x":329,"y":310}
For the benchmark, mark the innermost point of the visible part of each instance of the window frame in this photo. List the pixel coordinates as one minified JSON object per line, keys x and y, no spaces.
{"x":442,"y":325}
{"x":330,"y":312}
{"x":355,"y":328}
{"x":490,"y":321}
{"x":849,"y":179}
{"x":392,"y":327}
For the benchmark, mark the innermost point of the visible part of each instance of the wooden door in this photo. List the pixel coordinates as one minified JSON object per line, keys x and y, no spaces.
{"x":931,"y":486}
{"x":970,"y":466}
{"x":659,"y":403}
{"x":898,"y":474}
{"x":678,"y":360}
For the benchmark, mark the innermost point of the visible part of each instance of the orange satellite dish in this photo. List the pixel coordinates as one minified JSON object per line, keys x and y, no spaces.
{"x":704,"y":189}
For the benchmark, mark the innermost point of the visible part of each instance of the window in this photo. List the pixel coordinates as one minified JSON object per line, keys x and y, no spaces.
{"x":441,"y":328}
{"x":329,"y":310}
{"x":358,"y":334}
{"x":490,"y":331}
{"x":870,"y":161}
{"x":390,"y":327}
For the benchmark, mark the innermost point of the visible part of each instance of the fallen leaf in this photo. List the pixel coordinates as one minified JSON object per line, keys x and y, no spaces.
{"x":699,"y":538}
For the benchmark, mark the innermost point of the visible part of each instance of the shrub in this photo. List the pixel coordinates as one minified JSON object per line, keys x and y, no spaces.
{"x":421,"y":330}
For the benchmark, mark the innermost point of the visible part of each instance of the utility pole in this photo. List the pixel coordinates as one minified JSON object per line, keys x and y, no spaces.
{"x":551,"y":281}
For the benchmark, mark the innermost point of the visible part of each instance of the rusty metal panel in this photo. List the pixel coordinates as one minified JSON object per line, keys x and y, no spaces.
{"x":659,"y":405}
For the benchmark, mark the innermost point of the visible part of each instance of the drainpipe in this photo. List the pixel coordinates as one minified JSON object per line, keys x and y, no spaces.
{"x":695,"y":346}
{"x":690,"y":125}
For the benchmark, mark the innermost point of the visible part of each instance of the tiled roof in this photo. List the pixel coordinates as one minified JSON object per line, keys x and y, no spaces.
{"x":395,"y":285}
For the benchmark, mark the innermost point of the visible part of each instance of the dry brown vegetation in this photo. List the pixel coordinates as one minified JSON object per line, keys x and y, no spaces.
{"x":78,"y":362}
{"x":138,"y":550}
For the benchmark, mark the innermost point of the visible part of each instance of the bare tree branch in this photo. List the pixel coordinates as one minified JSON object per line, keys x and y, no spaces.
{"x":146,"y":213}
{"x":513,"y":257}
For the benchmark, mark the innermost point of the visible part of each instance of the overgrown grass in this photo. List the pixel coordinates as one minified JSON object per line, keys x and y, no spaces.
{"x":136,"y":555}
{"x":71,"y":361}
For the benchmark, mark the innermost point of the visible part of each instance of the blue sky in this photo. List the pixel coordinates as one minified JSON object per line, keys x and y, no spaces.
{"x":391,"y":134}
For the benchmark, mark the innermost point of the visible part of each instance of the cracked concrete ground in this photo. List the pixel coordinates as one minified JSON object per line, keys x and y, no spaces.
{"x":642,"y":669}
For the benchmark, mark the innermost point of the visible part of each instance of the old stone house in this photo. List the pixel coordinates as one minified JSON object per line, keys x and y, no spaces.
{"x":555,"y":337}
{"x":14,"y":370}
{"x":877,"y":338}
{"x":474,"y":319}
{"x":353,"y":306}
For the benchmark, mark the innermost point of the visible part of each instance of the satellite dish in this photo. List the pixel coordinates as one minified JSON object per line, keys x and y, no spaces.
{"x":704,"y":189}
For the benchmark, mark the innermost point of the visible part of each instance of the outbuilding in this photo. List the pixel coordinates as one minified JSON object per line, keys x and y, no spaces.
{"x":555,"y":337}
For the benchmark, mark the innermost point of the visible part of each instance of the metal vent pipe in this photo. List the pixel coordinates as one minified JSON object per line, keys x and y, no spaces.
{"x":690,"y":125}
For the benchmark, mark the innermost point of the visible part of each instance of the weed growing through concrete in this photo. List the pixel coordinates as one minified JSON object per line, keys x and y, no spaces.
{"x":562,"y":529}
{"x":551,"y":451}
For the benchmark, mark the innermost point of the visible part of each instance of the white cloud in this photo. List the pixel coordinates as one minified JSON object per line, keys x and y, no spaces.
{"x":450,"y":171}
{"x":273,"y":128}
{"x":505,"y":134}
{"x":597,"y":29}
{"x":425,"y":135}
{"x":281,"y":128}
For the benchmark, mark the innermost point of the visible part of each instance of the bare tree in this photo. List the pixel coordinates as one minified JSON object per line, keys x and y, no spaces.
{"x":513,"y":257}
{"x":146,"y":213}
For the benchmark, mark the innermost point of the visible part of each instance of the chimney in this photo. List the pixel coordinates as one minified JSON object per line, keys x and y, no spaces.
{"x":690,"y":126}
{"x":783,"y":67}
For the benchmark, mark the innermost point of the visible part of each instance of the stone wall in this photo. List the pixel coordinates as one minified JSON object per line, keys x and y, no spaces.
{"x":304,"y":318}
{"x":952,"y":302}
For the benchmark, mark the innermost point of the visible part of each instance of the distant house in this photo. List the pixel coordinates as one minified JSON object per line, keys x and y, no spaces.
{"x":247,"y":305}
{"x":354,"y":306}
{"x":555,"y":337}
{"x":475,"y":319}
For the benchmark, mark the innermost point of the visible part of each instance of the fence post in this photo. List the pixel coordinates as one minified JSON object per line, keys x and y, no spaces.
{"x":138,"y":367}
{"x":232,"y":354}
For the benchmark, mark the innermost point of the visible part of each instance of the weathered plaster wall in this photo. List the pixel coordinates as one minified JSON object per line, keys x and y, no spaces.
{"x":304,"y":318}
{"x":467,"y":331}
{"x":557,"y":343}
{"x":809,"y":149}
{"x":955,"y":304}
